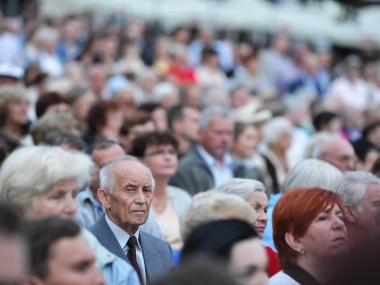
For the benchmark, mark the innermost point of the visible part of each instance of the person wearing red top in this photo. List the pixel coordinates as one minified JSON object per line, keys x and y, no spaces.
{"x":179,"y":72}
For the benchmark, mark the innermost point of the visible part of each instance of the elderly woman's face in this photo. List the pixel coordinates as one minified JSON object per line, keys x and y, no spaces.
{"x":326,"y":235}
{"x":246,"y":142}
{"x":249,"y":262}
{"x":161,"y":159}
{"x":17,"y":111}
{"x":259,"y":202}
{"x":60,"y":200}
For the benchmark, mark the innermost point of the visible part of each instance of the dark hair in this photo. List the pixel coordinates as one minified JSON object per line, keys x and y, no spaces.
{"x":144,"y":140}
{"x":369,"y":128}
{"x":149,"y":107}
{"x":97,"y":116}
{"x":60,"y":137}
{"x":217,"y":238}
{"x":176,"y":113}
{"x":10,"y":223}
{"x":239,"y":129}
{"x":102,"y":144}
{"x":47,"y":100}
{"x":323,"y":118}
{"x":42,"y":234}
{"x":208,"y":52}
{"x":7,"y":146}
{"x":136,"y":118}
{"x":75,"y":93}
{"x":199,"y":270}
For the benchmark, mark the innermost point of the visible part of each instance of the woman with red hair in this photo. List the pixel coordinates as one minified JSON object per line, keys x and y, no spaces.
{"x":310,"y":236}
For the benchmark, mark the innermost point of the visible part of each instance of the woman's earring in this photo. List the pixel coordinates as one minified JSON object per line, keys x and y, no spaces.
{"x":302,"y":250}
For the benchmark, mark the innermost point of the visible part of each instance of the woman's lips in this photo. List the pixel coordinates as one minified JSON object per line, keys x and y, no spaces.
{"x":260,"y":229}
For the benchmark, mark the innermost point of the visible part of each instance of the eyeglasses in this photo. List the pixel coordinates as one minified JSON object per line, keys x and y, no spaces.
{"x":344,"y":158}
{"x":161,"y":152}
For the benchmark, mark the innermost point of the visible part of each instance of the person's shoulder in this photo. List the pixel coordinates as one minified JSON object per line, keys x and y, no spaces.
{"x":179,"y":192}
{"x":282,"y":278}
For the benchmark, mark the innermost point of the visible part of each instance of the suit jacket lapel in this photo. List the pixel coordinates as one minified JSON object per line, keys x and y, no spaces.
{"x":153,"y":266}
{"x":108,"y":239}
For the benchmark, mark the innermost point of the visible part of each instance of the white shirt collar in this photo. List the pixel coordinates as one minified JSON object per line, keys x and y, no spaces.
{"x":121,"y":235}
{"x":210,"y":161}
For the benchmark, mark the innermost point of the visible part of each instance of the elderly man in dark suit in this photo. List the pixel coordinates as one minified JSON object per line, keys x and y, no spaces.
{"x":210,"y":164}
{"x":126,"y":192}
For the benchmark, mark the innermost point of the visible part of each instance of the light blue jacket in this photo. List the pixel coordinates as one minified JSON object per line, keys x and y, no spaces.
{"x":268,"y":233}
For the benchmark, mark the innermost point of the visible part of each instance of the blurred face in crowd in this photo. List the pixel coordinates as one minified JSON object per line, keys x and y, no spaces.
{"x":71,"y":262}
{"x":114,"y":121}
{"x":249,"y":262}
{"x":341,"y":154}
{"x":59,"y":108}
{"x":82,"y":106}
{"x":193,"y":96}
{"x":239,"y":97}
{"x":162,"y":160}
{"x":59,"y":200}
{"x":245,"y":144}
{"x":160,"y":120}
{"x":12,"y":263}
{"x":259,"y":201}
{"x":334,"y":126}
{"x":128,"y":204}
{"x":363,"y":221}
{"x":326,"y":235}
{"x":188,"y":127}
{"x":374,"y":136}
{"x":101,"y":157}
{"x":17,"y":111}
{"x":216,"y":138}
{"x":128,"y":102}
{"x":283,"y":143}
{"x":353,"y":73}
{"x":98,"y":79}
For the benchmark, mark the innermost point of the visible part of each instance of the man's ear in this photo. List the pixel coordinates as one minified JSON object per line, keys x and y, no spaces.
{"x":104,"y":198}
{"x":176,"y":126}
{"x":294,"y":243}
{"x":32,"y":280}
{"x":349,"y":213}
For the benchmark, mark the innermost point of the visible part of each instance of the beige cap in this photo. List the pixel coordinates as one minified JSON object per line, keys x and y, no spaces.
{"x":251,"y":113}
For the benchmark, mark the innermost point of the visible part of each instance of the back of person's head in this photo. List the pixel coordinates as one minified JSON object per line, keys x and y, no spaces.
{"x":199,"y":270}
{"x":52,"y":121}
{"x":294,"y":213}
{"x":206,"y":238}
{"x":155,"y":138}
{"x":42,"y":234}
{"x":310,"y":173}
{"x":136,"y":118}
{"x":243,"y":188}
{"x":32,"y":171}
{"x":66,"y":139}
{"x":211,"y":206}
{"x":47,"y":100}
{"x":322,"y":119}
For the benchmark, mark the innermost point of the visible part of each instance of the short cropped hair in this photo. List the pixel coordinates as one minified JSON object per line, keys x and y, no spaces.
{"x":210,"y":206}
{"x":275,"y":128}
{"x":243,"y":188}
{"x":107,"y":177}
{"x":310,"y":173}
{"x":42,"y":234}
{"x":210,"y":112}
{"x":33,"y":170}
{"x":293,"y":213}
{"x":351,"y":187}
{"x":144,"y":140}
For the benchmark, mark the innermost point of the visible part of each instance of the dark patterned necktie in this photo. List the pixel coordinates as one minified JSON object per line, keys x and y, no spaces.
{"x":131,"y":255}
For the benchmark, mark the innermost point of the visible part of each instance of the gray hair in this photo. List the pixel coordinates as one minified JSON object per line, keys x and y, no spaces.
{"x":322,"y":144}
{"x":34,"y":170}
{"x":275,"y":128}
{"x":211,"y":206}
{"x":352,"y":185}
{"x":243,"y":188}
{"x":213,"y":111}
{"x":311,"y":173}
{"x":107,"y":177}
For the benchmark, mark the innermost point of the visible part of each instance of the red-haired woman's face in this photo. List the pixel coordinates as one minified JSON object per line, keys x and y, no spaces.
{"x":326,"y":235}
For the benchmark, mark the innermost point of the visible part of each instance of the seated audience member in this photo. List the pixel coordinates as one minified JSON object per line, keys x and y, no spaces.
{"x":367,"y":154}
{"x":310,"y":236}
{"x":240,"y":249}
{"x":81,"y":100}
{"x":7,"y":146}
{"x":361,"y":266}
{"x":52,"y":178}
{"x":13,"y":113}
{"x":277,"y":137}
{"x":59,"y":254}
{"x":13,"y":248}
{"x":137,"y":123}
{"x":183,"y":121}
{"x":209,"y":164}
{"x":104,"y":121}
{"x":90,"y":209}
{"x":126,"y":193}
{"x":158,"y":114}
{"x":337,"y":151}
{"x":253,"y":192}
{"x":371,"y":133}
{"x":327,"y":121}
{"x":166,"y":94}
{"x":65,"y":139}
{"x":191,"y":95}
{"x":51,"y":102}
{"x":52,"y":121}
{"x":129,"y":100}
{"x":360,"y":194}
{"x":308,"y":173}
{"x":199,"y":270}
{"x":158,"y":150}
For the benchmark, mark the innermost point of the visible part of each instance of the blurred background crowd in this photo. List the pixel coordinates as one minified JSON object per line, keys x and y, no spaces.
{"x":204,"y":108}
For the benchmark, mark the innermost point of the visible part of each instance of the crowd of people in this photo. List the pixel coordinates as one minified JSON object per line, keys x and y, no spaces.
{"x":133,"y":157}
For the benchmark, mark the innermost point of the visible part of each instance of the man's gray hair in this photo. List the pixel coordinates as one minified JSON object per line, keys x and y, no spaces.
{"x":107,"y":176}
{"x":213,"y":111}
{"x":243,"y":188}
{"x":310,"y":173}
{"x":352,"y":185}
